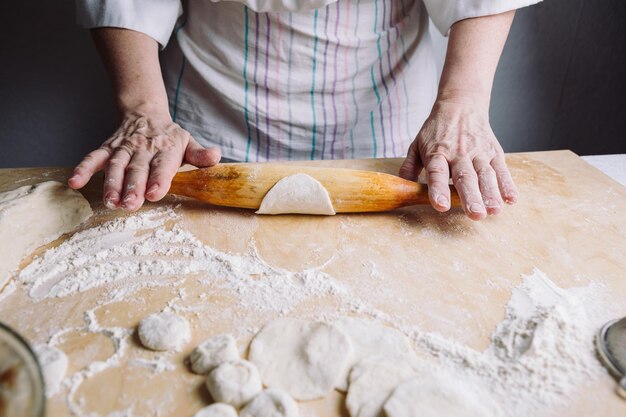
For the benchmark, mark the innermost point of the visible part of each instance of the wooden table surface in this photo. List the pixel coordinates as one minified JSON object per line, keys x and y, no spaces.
{"x":436,"y":271}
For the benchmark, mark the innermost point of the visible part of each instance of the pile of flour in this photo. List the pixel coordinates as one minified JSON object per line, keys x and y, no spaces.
{"x":540,"y":354}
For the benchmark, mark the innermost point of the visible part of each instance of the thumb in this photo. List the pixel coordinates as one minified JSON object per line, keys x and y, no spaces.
{"x":412,"y":165}
{"x":202,"y":157}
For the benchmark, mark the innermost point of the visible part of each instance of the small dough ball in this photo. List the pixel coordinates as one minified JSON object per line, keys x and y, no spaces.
{"x":271,"y":403}
{"x":303,"y":358}
{"x":371,"y":382}
{"x":53,"y":363}
{"x":234,"y":383}
{"x":440,"y":395}
{"x":213,"y":352}
{"x":164,"y":331}
{"x":217,"y":410}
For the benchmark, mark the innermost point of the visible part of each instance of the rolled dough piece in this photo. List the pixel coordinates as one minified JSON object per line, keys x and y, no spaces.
{"x":164,"y":331}
{"x":213,"y":352}
{"x":303,"y":358}
{"x":53,"y":364}
{"x":369,"y":339}
{"x":34,"y":215}
{"x":298,"y":193}
{"x":371,"y":382}
{"x":234,"y":383}
{"x":271,"y":403}
{"x":430,"y":395}
{"x":217,"y":410}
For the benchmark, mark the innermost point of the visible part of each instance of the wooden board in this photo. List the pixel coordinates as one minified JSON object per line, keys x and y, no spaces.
{"x":441,"y":272}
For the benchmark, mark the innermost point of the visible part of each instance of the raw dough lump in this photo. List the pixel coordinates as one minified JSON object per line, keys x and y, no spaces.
{"x":271,"y":403}
{"x":217,"y":410}
{"x":298,"y":193}
{"x":303,"y":358}
{"x":371,"y":382}
{"x":164,"y":331}
{"x":234,"y":383}
{"x":213,"y":352}
{"x":53,"y":364}
{"x":369,"y":339}
{"x":432,"y":395}
{"x":34,"y":215}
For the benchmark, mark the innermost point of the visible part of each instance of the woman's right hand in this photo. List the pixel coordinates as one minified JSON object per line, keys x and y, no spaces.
{"x":140,"y":159}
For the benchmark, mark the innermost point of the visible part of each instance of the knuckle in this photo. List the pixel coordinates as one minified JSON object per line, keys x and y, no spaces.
{"x":117,"y":163}
{"x":133,"y":169}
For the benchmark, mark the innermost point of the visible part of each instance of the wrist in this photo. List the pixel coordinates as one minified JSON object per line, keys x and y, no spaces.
{"x":477,"y":100}
{"x":144,"y":107}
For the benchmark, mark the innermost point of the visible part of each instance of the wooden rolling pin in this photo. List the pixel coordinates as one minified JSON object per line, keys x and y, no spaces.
{"x":351,"y":191}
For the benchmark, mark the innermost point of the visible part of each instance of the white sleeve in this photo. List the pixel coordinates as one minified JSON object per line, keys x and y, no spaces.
{"x":155,"y":18}
{"x":444,"y":13}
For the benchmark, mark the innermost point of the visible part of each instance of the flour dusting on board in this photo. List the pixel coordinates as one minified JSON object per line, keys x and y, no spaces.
{"x":540,"y":354}
{"x":125,"y":249}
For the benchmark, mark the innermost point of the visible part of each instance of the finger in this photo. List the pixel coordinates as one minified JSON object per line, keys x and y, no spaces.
{"x":488,"y":185}
{"x":114,"y":178}
{"x":438,"y":175}
{"x":162,"y":170}
{"x":200,"y":156}
{"x":93,"y":162}
{"x":466,"y":183}
{"x":505,"y":181}
{"x":137,"y":173}
{"x":412,"y":165}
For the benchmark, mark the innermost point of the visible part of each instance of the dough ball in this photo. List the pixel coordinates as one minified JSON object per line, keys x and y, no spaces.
{"x":432,"y":395}
{"x":234,"y":383}
{"x":298,"y":193}
{"x":271,"y":403}
{"x":34,"y":215}
{"x":164,"y":331}
{"x":212,"y":352}
{"x":303,"y":358}
{"x":371,"y":382}
{"x":369,"y":339}
{"x":53,"y":364}
{"x":217,"y":410}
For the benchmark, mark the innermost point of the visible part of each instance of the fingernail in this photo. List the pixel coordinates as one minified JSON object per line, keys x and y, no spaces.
{"x":110,"y":200}
{"x":491,"y":203}
{"x":442,"y":200}
{"x":152,"y":189}
{"x":73,"y":178}
{"x":128,"y":197}
{"x":476,"y":208}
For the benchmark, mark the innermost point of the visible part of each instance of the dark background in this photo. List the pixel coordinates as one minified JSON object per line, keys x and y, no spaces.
{"x":561,"y":82}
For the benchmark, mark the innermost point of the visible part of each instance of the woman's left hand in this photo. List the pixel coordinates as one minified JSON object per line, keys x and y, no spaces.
{"x":457,"y":141}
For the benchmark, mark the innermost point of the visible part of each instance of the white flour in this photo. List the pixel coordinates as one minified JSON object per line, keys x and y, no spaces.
{"x":540,"y":354}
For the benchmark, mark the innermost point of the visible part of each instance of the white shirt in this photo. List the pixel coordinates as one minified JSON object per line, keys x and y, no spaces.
{"x":296,"y":79}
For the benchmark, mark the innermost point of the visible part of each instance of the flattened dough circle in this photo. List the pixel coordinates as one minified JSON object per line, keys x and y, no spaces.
{"x":298,"y":194}
{"x":303,"y":358}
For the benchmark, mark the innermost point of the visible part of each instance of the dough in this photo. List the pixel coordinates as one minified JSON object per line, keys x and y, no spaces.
{"x":303,"y":358}
{"x":217,"y":410}
{"x":298,"y":193}
{"x":271,"y":403}
{"x":53,"y":364}
{"x":164,"y":331}
{"x":34,"y":215}
{"x":369,"y":339}
{"x":234,"y":383}
{"x":212,"y":352}
{"x":371,"y":382}
{"x":431,"y":395}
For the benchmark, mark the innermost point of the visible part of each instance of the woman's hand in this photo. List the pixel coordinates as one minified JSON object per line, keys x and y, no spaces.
{"x":140,"y":160}
{"x":456,"y":140}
